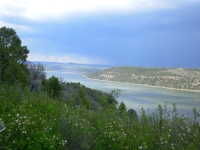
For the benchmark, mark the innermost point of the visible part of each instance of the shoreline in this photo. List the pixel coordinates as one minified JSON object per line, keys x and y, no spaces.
{"x":160,"y":87}
{"x":186,"y":90}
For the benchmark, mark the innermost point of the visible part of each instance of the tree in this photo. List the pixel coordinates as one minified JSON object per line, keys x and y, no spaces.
{"x":132,"y":114}
{"x":13,"y":63}
{"x":83,"y":96}
{"x":122,"y":107}
{"x":115,"y":93}
{"x":37,"y":74}
{"x":52,"y":86}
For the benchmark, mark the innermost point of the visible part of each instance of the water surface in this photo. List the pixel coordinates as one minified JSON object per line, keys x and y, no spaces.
{"x":135,"y":96}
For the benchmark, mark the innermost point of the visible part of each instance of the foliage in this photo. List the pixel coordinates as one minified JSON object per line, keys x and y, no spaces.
{"x":132,"y":114}
{"x":34,"y":121}
{"x":13,"y":67}
{"x":37,"y":74}
{"x":106,"y":129}
{"x":52,"y":86}
{"x":115,"y":93}
{"x":31,"y":120}
{"x":122,"y":107}
{"x":75,"y":94}
{"x":84,"y":98}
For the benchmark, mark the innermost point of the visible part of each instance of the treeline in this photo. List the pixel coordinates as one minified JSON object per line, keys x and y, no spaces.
{"x":177,"y":78}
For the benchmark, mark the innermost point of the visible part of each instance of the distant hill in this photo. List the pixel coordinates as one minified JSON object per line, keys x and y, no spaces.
{"x":72,"y":67}
{"x":178,"y":78}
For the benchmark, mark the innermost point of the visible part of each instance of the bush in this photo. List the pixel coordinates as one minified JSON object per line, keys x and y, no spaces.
{"x":31,"y":120}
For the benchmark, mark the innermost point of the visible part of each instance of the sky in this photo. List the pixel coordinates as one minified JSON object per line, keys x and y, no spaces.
{"x":143,"y":33}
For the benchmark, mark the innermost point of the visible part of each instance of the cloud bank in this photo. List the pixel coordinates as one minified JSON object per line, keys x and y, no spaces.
{"x":48,"y":10}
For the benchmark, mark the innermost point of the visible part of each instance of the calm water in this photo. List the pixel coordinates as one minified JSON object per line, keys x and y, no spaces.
{"x":135,"y":96}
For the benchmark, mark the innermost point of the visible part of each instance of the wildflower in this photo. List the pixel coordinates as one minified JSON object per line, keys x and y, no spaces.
{"x":140,"y":147}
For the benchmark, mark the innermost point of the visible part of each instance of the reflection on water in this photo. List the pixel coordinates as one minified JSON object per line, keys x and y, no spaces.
{"x":136,"y":95}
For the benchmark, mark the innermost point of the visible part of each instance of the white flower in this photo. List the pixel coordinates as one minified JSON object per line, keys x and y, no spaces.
{"x":140,"y":147}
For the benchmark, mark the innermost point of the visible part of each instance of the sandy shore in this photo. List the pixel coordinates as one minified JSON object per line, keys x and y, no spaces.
{"x":142,"y":85}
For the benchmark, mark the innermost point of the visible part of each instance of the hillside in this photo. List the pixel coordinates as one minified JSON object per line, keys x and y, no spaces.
{"x":71,"y":95}
{"x":178,"y":78}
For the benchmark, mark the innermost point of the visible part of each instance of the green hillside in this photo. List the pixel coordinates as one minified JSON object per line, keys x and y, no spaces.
{"x":178,"y":78}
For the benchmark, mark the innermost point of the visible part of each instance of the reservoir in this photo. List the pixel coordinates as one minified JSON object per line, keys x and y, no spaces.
{"x":137,"y":96}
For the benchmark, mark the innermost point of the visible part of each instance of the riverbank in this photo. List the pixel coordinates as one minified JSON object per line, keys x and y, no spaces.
{"x":186,"y":90}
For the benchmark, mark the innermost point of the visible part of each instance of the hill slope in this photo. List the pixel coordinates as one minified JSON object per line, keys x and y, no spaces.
{"x":177,"y":78}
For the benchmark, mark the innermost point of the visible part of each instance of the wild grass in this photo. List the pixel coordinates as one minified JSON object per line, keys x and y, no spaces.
{"x":34,"y":121}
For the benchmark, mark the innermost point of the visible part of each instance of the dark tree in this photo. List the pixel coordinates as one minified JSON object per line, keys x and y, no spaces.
{"x":52,"y":86}
{"x":115,"y":93}
{"x":13,"y":63}
{"x":132,"y":114}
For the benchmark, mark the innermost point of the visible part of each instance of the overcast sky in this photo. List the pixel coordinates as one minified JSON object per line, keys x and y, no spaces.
{"x":152,"y":33}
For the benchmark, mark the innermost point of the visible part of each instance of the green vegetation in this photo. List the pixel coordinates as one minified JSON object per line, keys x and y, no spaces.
{"x":76,"y":94}
{"x":52,"y":114}
{"x":177,"y":78}
{"x":35,"y":121}
{"x":13,"y":67}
